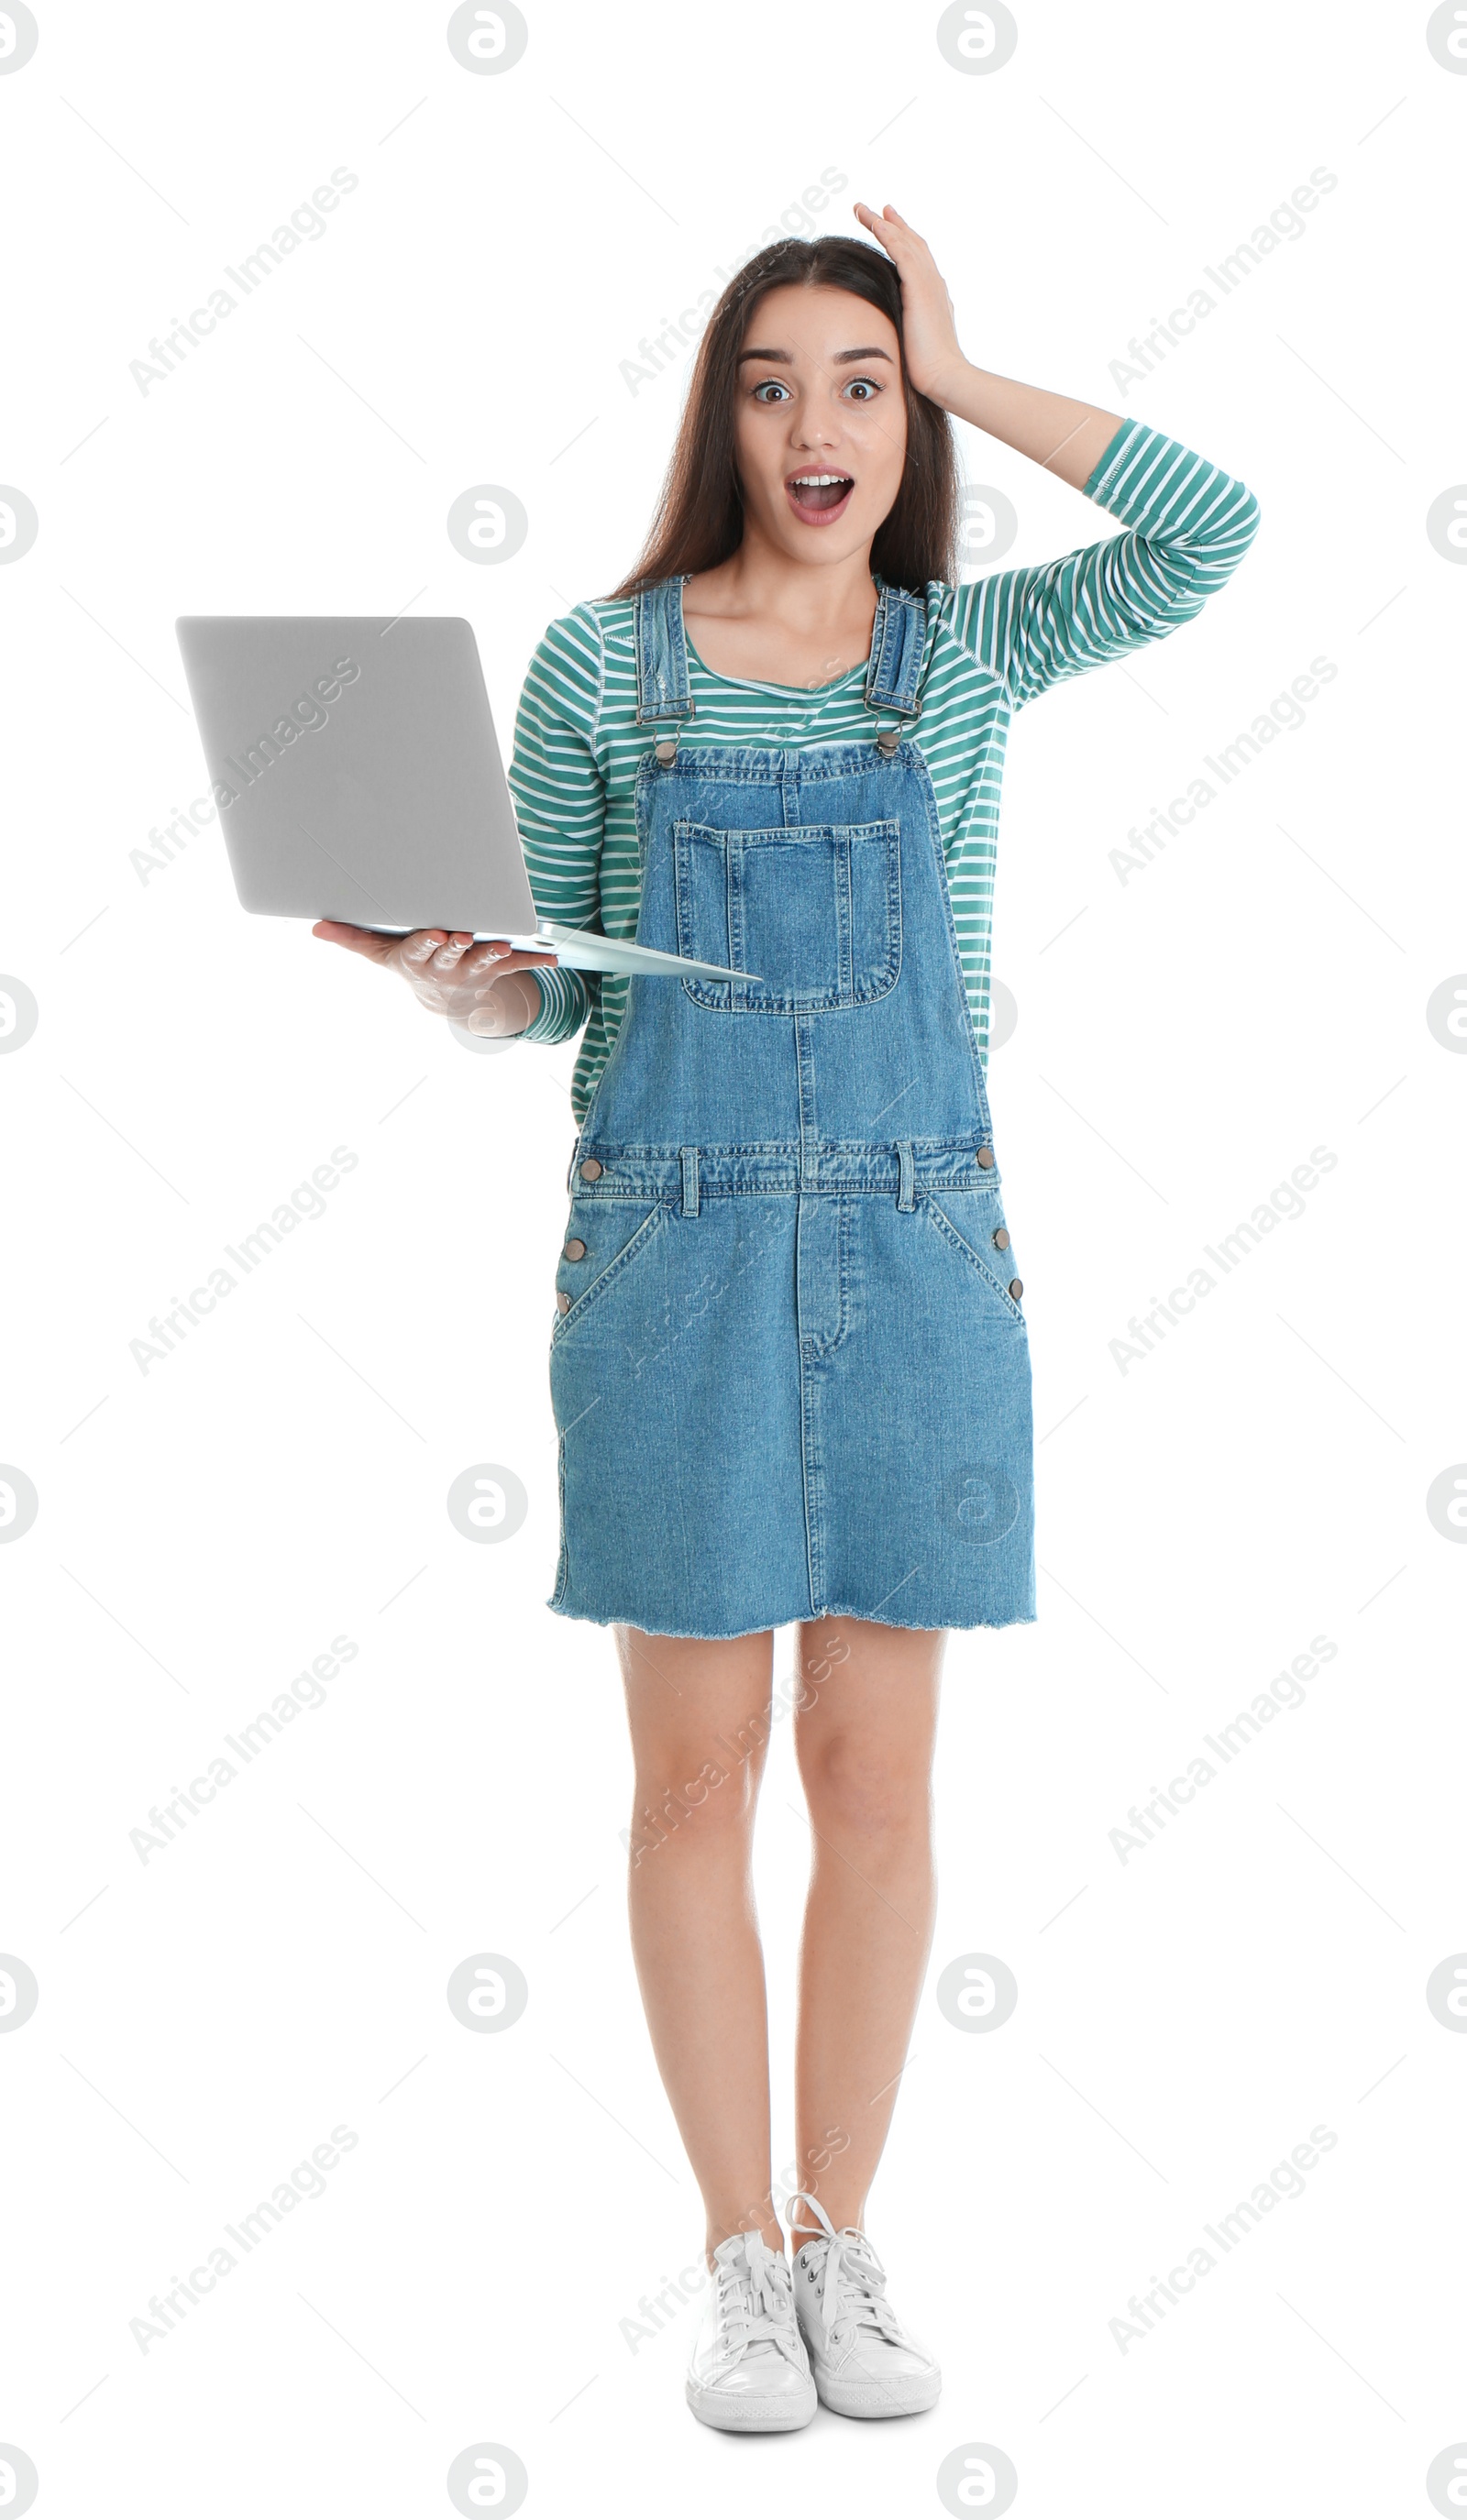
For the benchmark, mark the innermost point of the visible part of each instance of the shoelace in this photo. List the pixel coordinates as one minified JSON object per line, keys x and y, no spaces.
{"x":754,"y":2306}
{"x":853,"y":2284}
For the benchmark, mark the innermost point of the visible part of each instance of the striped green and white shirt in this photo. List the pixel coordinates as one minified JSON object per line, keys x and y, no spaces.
{"x":991,"y":645}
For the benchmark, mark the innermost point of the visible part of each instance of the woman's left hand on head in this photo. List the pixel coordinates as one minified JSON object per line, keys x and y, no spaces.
{"x":928,"y":329}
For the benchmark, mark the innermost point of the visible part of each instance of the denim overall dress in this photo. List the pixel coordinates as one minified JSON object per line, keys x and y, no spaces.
{"x":789,"y":1367}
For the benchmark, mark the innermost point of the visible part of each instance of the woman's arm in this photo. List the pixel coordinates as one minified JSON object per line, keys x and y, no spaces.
{"x":1191,"y":522}
{"x":1068,"y":437}
{"x":559,"y":806}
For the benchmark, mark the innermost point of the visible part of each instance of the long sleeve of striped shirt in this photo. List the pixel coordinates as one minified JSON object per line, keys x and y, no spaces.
{"x":1189,"y":524}
{"x":559,"y":806}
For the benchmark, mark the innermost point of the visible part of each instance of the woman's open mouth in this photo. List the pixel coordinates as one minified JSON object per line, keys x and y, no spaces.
{"x":818,"y":498}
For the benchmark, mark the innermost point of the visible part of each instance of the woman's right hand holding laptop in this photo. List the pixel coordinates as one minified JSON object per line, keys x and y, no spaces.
{"x":477,"y":986}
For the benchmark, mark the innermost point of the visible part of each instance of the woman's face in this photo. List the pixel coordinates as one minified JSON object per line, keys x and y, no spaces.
{"x":820,"y":434}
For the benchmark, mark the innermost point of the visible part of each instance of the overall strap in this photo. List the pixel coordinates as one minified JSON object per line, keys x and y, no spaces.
{"x":899,"y":640}
{"x":663,"y":689}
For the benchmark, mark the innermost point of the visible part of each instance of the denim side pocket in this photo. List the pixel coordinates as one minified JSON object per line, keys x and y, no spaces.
{"x":612,"y":1235}
{"x":971,"y":1220}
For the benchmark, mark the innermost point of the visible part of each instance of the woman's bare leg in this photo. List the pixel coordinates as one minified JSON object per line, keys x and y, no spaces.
{"x":699,"y":1713}
{"x":864,"y":1734}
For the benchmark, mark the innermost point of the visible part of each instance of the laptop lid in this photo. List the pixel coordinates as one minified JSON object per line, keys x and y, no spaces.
{"x":356,"y":769}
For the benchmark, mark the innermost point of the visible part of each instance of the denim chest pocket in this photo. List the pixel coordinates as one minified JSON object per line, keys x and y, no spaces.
{"x":814,"y":911}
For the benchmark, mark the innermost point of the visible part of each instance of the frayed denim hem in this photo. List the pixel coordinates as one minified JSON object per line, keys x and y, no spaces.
{"x":927,"y":1627}
{"x":793,"y":1618}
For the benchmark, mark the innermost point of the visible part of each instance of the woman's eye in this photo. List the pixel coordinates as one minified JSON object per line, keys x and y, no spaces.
{"x":866,"y":386}
{"x":770,"y":387}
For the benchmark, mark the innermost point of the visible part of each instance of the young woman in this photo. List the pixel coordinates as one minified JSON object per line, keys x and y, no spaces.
{"x":789,"y":1365}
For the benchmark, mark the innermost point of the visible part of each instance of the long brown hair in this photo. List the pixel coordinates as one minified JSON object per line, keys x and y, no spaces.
{"x":699,"y":519}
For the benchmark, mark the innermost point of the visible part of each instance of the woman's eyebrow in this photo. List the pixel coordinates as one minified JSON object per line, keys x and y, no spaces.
{"x":841,"y":358}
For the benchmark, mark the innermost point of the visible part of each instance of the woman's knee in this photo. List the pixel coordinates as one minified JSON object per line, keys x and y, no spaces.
{"x":698,"y":1795}
{"x":862,"y":1789}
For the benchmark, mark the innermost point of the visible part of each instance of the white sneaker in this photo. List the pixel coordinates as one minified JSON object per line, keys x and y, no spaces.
{"x":749,"y":2372}
{"x":865,"y":2361}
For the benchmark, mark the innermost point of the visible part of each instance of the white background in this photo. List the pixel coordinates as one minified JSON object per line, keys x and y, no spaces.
{"x":1184,"y":1038}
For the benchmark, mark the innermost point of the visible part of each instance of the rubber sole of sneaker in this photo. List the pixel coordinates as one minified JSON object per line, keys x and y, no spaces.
{"x":725,"y":2414}
{"x":910,"y":2395}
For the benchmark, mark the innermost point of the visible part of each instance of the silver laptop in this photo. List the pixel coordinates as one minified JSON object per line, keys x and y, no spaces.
{"x":358,"y":778}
